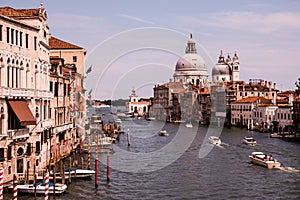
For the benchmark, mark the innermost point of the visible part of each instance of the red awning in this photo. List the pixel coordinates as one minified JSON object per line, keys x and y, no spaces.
{"x":23,"y":112}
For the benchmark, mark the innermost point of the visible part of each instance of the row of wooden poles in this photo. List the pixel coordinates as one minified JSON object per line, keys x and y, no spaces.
{"x":62,"y":172}
{"x":97,"y":162}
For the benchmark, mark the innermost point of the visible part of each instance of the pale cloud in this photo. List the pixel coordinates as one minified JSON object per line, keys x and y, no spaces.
{"x":257,"y":22}
{"x":136,"y":19}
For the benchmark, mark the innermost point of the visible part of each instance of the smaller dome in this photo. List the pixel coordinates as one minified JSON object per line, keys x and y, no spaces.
{"x":221,"y":69}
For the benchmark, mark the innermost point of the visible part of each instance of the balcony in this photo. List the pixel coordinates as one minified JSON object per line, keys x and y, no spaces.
{"x":18,"y":133}
{"x":16,"y":92}
{"x":43,"y":94}
{"x":47,"y":123}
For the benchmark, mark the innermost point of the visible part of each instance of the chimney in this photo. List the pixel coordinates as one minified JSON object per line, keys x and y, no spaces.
{"x":274,"y":86}
{"x":270,"y":86}
{"x":266,"y":82}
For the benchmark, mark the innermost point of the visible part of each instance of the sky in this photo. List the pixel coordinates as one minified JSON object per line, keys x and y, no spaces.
{"x":136,"y":44}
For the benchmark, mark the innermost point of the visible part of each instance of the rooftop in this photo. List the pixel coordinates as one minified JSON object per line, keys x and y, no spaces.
{"x":23,"y":13}
{"x":56,"y":43}
{"x":254,"y":99}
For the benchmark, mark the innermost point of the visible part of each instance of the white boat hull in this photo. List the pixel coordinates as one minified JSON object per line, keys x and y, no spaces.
{"x":214,"y":140}
{"x":40,"y":189}
{"x":249,"y":141}
{"x":163,"y":133}
{"x":262,"y":160}
{"x":80,"y":173}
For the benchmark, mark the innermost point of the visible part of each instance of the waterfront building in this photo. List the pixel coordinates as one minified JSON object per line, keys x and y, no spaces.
{"x":204,"y":101}
{"x":296,"y":114}
{"x":25,"y":124}
{"x":283,"y":121}
{"x":63,"y":135}
{"x":74,"y":58}
{"x":164,"y":99}
{"x":247,"y":112}
{"x":136,"y":107}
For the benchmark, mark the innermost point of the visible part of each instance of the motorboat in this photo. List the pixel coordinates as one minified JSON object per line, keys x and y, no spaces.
{"x":40,"y":188}
{"x":179,"y":121}
{"x":259,"y":158}
{"x":102,"y":142}
{"x":249,"y":141}
{"x":76,"y":173}
{"x":189,"y":125}
{"x":163,"y":133}
{"x":150,"y":118}
{"x":118,"y":121}
{"x":214,"y":140}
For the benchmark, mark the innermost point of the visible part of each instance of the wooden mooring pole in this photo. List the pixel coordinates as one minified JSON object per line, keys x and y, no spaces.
{"x":96,"y":163}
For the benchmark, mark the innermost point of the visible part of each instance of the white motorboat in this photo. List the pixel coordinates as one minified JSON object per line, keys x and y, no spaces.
{"x":214,"y":140}
{"x":150,"y":118}
{"x":102,"y":142}
{"x":118,"y":121}
{"x":249,"y":141}
{"x":189,"y":125}
{"x":259,"y":158}
{"x":163,"y":133}
{"x":40,"y":188}
{"x":78,"y":173}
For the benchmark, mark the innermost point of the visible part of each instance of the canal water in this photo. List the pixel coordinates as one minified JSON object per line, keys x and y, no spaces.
{"x":151,"y":168}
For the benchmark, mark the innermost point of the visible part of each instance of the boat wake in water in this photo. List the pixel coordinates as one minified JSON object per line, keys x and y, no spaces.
{"x":290,"y":169}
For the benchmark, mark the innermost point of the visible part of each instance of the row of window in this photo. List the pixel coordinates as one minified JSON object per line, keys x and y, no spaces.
{"x":284,"y":116}
{"x":66,"y":88}
{"x":258,"y":94}
{"x":16,"y":37}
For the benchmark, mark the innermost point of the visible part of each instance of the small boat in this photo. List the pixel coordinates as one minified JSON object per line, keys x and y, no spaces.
{"x":189,"y":125}
{"x":150,"y":118}
{"x":118,"y":121}
{"x":102,"y":142}
{"x":214,"y":140}
{"x":179,"y":121}
{"x":249,"y":141}
{"x":163,"y":133}
{"x":40,"y":188}
{"x":78,"y":173}
{"x":259,"y":158}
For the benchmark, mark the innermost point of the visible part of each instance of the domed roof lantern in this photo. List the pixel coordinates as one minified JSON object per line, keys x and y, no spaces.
{"x":191,"y":46}
{"x":221,"y":57}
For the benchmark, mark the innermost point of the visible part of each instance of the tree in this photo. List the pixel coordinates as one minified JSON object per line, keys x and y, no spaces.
{"x":297,"y":84}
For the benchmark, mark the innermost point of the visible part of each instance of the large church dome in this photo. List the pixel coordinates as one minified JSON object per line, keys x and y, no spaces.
{"x":190,"y":62}
{"x":191,"y":68}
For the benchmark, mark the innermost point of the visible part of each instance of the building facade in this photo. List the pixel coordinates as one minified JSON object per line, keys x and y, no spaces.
{"x":136,"y":107}
{"x":24,"y":91}
{"x":74,"y":58}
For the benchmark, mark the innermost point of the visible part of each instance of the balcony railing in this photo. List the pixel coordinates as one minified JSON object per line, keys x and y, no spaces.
{"x":18,"y":133}
{"x":16,"y":92}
